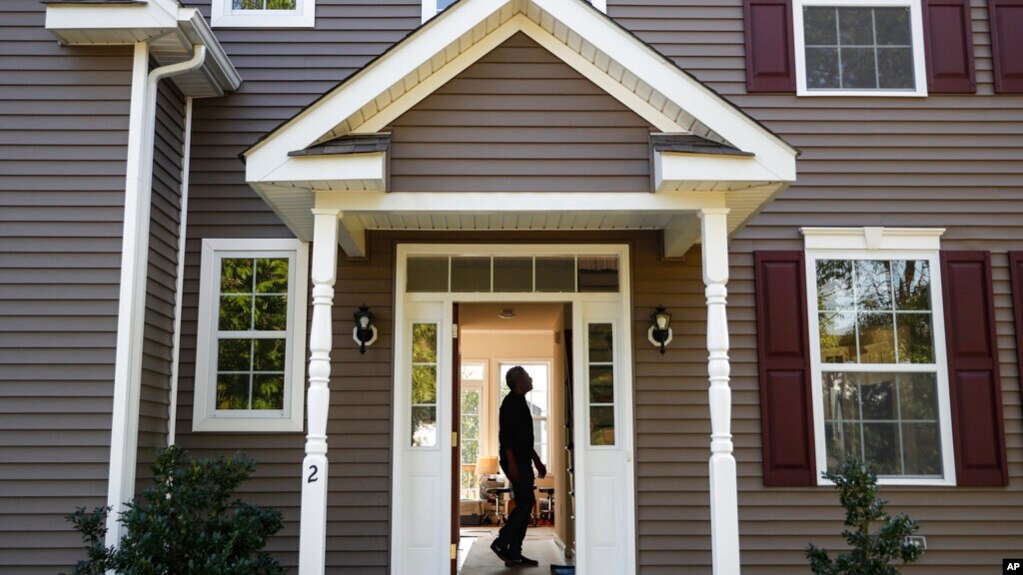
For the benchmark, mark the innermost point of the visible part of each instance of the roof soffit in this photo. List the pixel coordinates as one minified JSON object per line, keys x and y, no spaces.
{"x":593,"y":45}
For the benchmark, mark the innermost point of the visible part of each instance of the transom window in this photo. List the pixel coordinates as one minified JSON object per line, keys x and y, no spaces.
{"x":880,"y":388}
{"x":528,"y":274}
{"x":852,"y":48}
{"x":252,"y":302}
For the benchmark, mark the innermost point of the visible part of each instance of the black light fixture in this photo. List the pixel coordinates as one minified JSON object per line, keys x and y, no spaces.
{"x":660,"y":333}
{"x":364,"y":333}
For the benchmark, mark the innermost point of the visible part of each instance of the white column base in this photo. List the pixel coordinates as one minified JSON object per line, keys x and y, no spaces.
{"x":724,"y":506}
{"x":314,"y":515}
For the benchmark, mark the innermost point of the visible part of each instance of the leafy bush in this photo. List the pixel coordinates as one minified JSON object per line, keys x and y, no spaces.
{"x":186,"y":524}
{"x":871,"y":553}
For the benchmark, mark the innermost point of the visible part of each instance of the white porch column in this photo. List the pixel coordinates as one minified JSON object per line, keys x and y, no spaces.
{"x":724,"y":499}
{"x":313,"y":534}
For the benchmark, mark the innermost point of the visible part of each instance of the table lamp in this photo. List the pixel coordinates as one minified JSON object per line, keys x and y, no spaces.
{"x":486,"y":465}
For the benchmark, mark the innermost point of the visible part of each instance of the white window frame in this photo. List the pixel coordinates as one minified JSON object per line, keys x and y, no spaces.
{"x":916,"y":28}
{"x":205,"y":416}
{"x":222,"y":15}
{"x":881,"y":244}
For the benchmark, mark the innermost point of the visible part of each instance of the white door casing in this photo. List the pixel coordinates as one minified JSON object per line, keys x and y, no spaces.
{"x":604,"y":475}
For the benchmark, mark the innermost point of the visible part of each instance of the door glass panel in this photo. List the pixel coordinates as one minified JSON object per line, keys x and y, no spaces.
{"x":555,"y":274}
{"x":424,"y":385}
{"x":513,"y":274}
{"x":470,"y":274}
{"x":598,"y":274}
{"x":601,"y":370}
{"x":427,"y":274}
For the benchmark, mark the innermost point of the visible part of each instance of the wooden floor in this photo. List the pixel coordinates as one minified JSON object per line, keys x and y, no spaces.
{"x":476,"y":558}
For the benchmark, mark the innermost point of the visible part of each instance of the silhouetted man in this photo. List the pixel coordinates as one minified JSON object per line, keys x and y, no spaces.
{"x":517,"y":459}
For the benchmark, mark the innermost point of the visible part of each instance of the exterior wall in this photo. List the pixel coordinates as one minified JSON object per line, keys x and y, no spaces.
{"x":520,"y":120}
{"x":63,"y":136}
{"x":941,"y":161}
{"x":165,"y":220}
{"x":949,"y":161}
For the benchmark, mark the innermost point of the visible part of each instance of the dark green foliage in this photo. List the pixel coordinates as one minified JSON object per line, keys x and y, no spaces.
{"x":186,"y":524}
{"x":871,"y":553}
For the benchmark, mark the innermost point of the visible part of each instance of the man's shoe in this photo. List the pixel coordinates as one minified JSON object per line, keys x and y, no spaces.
{"x":521,"y":561}
{"x":499,"y":550}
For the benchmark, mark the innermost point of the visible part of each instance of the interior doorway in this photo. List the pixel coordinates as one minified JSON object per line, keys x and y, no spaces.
{"x":492,"y":339}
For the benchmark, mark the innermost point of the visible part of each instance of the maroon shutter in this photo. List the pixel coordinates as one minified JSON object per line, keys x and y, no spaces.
{"x":770,"y":65}
{"x":786,"y":404}
{"x":974,"y":385}
{"x":1007,"y":44}
{"x":1016,"y":271}
{"x":948,"y":38}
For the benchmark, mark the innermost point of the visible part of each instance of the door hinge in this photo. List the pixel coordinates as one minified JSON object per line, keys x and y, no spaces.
{"x":454,"y":551}
{"x":454,"y":330}
{"x":454,"y":439}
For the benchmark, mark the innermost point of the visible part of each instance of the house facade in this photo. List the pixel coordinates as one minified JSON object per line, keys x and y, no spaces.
{"x":825,"y":195}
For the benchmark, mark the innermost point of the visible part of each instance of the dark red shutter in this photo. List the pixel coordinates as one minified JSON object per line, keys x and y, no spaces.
{"x":1007,"y":44}
{"x":770,"y":64}
{"x":948,"y":38}
{"x":974,"y":384}
{"x":786,"y":404}
{"x":1016,"y":271}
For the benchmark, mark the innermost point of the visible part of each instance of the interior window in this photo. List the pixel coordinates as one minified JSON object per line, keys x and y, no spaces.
{"x":538,"y":401}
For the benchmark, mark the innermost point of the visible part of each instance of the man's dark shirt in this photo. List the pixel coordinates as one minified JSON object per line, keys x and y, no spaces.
{"x":516,"y":431}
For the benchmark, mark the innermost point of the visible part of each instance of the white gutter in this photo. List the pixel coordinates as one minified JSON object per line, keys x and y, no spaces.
{"x":134,"y":263}
{"x":180,"y":276}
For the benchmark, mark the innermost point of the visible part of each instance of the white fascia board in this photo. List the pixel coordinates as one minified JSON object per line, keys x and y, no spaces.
{"x":872,"y":238}
{"x":371,"y":167}
{"x":675,"y":167}
{"x":699,"y":101}
{"x":292,"y":205}
{"x":148,"y":19}
{"x":521,"y":202}
{"x":305,"y":128}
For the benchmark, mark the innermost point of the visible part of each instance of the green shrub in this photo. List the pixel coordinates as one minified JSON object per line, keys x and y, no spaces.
{"x":871,"y":553}
{"x":186,"y":524}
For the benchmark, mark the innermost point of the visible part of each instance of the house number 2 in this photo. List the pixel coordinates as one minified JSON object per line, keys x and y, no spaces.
{"x":312,"y":474}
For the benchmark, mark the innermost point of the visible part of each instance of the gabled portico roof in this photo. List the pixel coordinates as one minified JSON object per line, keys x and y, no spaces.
{"x":748,"y":168}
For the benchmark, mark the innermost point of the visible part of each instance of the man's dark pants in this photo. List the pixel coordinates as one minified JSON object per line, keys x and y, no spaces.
{"x":514,"y":530}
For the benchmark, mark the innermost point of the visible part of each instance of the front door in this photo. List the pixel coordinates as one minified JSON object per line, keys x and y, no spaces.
{"x":424,"y":397}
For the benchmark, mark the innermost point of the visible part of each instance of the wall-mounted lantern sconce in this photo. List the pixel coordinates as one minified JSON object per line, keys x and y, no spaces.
{"x":660,"y":333}
{"x":364,"y":333}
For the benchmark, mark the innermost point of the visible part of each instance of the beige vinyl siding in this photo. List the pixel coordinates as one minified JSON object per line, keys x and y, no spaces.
{"x":165,"y":219}
{"x":950,"y":161}
{"x":520,"y":120}
{"x":63,"y":136}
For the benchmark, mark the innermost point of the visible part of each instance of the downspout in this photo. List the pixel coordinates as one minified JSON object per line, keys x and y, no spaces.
{"x":180,"y":276}
{"x":132,"y":296}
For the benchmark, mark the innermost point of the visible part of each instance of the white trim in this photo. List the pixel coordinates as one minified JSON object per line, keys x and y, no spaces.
{"x":204,"y":415}
{"x":624,"y":415}
{"x":916,"y":28}
{"x":872,"y":238}
{"x":927,"y":248}
{"x":472,"y":202}
{"x":222,"y":15}
{"x":179,"y":280}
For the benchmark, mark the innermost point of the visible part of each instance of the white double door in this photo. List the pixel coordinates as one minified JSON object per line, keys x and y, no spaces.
{"x":604,"y":485}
